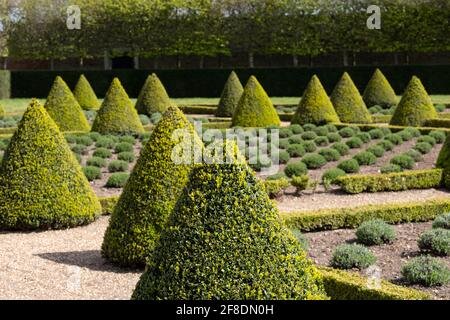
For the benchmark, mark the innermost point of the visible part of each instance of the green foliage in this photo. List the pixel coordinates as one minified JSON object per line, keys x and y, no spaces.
{"x":117,"y":114}
{"x":123,"y":147}
{"x":424,"y":148}
{"x":309,"y":146}
{"x":427,"y":139}
{"x":414,"y":154}
{"x":348,"y":103}
{"x":321,"y":131}
{"x":255,"y":109}
{"x":375,"y":232}
{"x":108,"y":204}
{"x":97,"y":162}
{"x":300,"y":183}
{"x":404,"y":161}
{"x":295,"y":140}
{"x":349,"y":166}
{"x":330,"y":176}
{"x":64,"y":109}
{"x":126,"y":156}
{"x":315,"y":107}
{"x":417,"y":179}
{"x":438,"y":136}
{"x":230,"y":96}
{"x":334,"y":137}
{"x":314,"y":161}
{"x":321,"y":141}
{"x":285,"y":133}
{"x":309,"y":135}
{"x":379,"y":92}
{"x":342,"y":148}
{"x":354,"y":143}
{"x":346,"y":132}
{"x":442,"y":221}
{"x":427,"y":271}
{"x":386,"y":145}
{"x":364,"y":136}
{"x":377,"y":150}
{"x":224,"y":220}
{"x":349,"y":256}
{"x":365,"y":158}
{"x":102,"y":153}
{"x":435,"y":241}
{"x":284,"y":156}
{"x":146,"y":201}
{"x":391,"y":168}
{"x":2,"y":112}
{"x":153,"y":97}
{"x":330,"y":154}
{"x":92,"y":173}
{"x":118,"y":166}
{"x":117,"y":180}
{"x":297,"y":168}
{"x":296,"y":128}
{"x":105,"y":142}
{"x":296,"y":150}
{"x":79,"y":149}
{"x":395,"y":138}
{"x":415,"y":107}
{"x":376,"y":134}
{"x":302,"y":240}
{"x":85,"y":95}
{"x":274,"y":187}
{"x":41,"y":183}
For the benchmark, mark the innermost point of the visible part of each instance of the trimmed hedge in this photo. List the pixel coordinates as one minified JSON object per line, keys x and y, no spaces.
{"x":417,"y":179}
{"x":345,"y":285}
{"x":153,"y":97}
{"x":437,"y":123}
{"x":379,"y":91}
{"x":351,"y":218}
{"x":85,"y":95}
{"x":108,"y":204}
{"x":198,"y":109}
{"x":230,"y":96}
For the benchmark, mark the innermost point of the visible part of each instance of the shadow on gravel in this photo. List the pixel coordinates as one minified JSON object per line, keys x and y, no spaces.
{"x":90,"y":259}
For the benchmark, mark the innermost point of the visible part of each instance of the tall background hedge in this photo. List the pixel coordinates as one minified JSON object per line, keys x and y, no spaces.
{"x":209,"y":82}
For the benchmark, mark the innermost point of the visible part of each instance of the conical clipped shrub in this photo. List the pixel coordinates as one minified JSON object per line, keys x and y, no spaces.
{"x":348,"y":103}
{"x":415,"y":107}
{"x":230,"y":96}
{"x":2,"y":112}
{"x":255,"y":109}
{"x":379,"y":92}
{"x":41,"y":183}
{"x":443,"y":162}
{"x":224,"y":240}
{"x":85,"y":95}
{"x":64,"y":109}
{"x":149,"y":195}
{"x":117,"y":114}
{"x":315,"y":106}
{"x":153,"y":97}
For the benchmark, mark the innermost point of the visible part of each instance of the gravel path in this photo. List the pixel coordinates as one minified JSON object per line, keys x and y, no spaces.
{"x":64,"y":264}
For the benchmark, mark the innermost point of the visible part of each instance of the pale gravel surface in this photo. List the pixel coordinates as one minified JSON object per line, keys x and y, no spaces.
{"x":64,"y":264}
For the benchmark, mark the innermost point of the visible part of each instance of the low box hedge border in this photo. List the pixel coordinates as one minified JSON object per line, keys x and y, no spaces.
{"x":438,"y":123}
{"x":108,"y":204}
{"x":188,"y":109}
{"x":397,"y":181}
{"x":345,"y":285}
{"x":367,"y":127}
{"x":351,"y":218}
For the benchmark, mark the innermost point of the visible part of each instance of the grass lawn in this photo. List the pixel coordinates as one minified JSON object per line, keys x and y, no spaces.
{"x":20,"y":104}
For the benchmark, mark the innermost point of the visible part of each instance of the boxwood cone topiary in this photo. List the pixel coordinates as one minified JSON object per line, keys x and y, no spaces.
{"x":230,"y":96}
{"x":315,"y":106}
{"x":347,"y":102}
{"x":149,"y":196}
{"x":64,"y":109}
{"x":255,"y":109}
{"x":85,"y":95}
{"x":379,"y":92}
{"x":41,"y":183}
{"x":117,"y":114}
{"x":415,"y":107}
{"x":224,"y":240}
{"x":2,"y":112}
{"x":153,"y":97}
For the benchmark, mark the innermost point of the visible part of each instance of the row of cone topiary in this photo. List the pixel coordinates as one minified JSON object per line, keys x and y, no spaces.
{"x":205,"y":231}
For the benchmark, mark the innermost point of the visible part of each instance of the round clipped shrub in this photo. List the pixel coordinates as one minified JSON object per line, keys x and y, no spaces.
{"x":102,"y":153}
{"x":442,"y":221}
{"x":78,"y":149}
{"x":97,"y":162}
{"x":155,"y":118}
{"x":285,"y":133}
{"x":321,"y":141}
{"x":438,"y":136}
{"x":302,"y":240}
{"x":84,"y":140}
{"x":92,"y":173}
{"x":342,"y":148}
{"x":128,"y":139}
{"x":375,"y":232}
{"x":349,"y":166}
{"x":2,"y":112}
{"x":85,"y":95}
{"x":379,"y":92}
{"x":296,"y":150}
{"x":428,"y":139}
{"x":435,"y":241}
{"x":331,"y":128}
{"x":330,"y":154}
{"x":296,"y":128}
{"x":427,"y":271}
{"x":123,"y":147}
{"x":391,"y":168}
{"x":386,"y":145}
{"x":423,"y":148}
{"x":297,"y":168}
{"x":145,"y":120}
{"x":405,"y":135}
{"x":118,"y":166}
{"x":64,"y":109}
{"x":126,"y":156}
{"x":330,"y":175}
{"x":348,"y":103}
{"x":376,"y":134}
{"x":255,"y":109}
{"x":117,"y":180}
{"x":221,"y":204}
{"x":395,"y":138}
{"x":346,"y":132}
{"x":415,"y":107}
{"x":309,"y":146}
{"x":295,"y":139}
{"x":314,"y":161}
{"x":283,"y":143}
{"x":334,"y":137}
{"x":365,"y":158}
{"x":364,"y":136}
{"x":105,"y":142}
{"x":309,"y":135}
{"x":321,"y":131}
{"x":147,"y":200}
{"x":414,"y":154}
{"x":42,"y":185}
{"x":309,"y":126}
{"x":276,"y":176}
{"x":439,"y":107}
{"x":349,"y":256}
{"x":117,"y":114}
{"x":404,"y":161}
{"x":377,"y":150}
{"x":152,"y":97}
{"x":315,"y":106}
{"x":413,"y":131}
{"x":230,"y":96}
{"x":354,"y":143}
